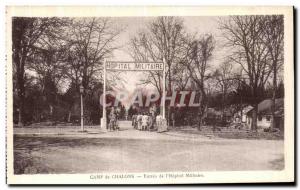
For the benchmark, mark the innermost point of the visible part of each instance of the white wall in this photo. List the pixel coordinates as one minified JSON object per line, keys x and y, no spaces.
{"x":264,"y":123}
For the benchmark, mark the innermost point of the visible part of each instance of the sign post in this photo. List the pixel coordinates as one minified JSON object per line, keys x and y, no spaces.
{"x":103,"y":120}
{"x":164,"y":90}
{"x":131,"y":66}
{"x":134,"y":66}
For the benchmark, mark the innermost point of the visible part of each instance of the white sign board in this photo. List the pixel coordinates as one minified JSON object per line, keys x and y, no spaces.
{"x":134,"y":66}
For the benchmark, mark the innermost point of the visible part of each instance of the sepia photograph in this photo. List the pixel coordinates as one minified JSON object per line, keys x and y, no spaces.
{"x":150,"y":95}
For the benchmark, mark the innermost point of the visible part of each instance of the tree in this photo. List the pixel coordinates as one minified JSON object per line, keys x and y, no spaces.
{"x":144,"y":49}
{"x":273,"y":40}
{"x":198,"y":54}
{"x":225,"y":82}
{"x":27,"y":34}
{"x":48,"y":63}
{"x":243,"y":36}
{"x":181,"y":76}
{"x":90,"y":41}
{"x":162,"y":41}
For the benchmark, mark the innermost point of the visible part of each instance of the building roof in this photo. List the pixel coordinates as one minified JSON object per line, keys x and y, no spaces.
{"x":247,"y":108}
{"x":265,"y":107}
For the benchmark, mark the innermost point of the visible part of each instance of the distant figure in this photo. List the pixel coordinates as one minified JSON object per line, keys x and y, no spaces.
{"x":134,"y":121}
{"x":173,"y":119}
{"x":153,"y":111}
{"x":112,"y":120}
{"x":139,"y":121}
{"x":161,"y":124}
{"x":150,"y":122}
{"x":145,"y":122}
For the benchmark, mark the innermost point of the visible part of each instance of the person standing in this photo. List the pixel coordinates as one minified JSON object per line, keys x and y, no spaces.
{"x":112,"y":119}
{"x":153,"y":116}
{"x":139,"y":121}
{"x":173,"y":119}
{"x":144,"y":122}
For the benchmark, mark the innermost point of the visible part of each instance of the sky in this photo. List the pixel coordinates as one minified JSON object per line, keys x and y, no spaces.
{"x":132,"y":25}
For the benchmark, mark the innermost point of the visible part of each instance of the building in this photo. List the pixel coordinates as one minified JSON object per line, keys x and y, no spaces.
{"x":241,"y":115}
{"x":264,"y":114}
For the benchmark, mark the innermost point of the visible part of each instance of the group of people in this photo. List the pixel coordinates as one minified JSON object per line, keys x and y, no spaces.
{"x":143,"y":121}
{"x":149,"y":122}
{"x":113,"y":120}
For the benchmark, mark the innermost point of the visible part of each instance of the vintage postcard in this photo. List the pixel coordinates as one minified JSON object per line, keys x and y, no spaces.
{"x":149,"y":95}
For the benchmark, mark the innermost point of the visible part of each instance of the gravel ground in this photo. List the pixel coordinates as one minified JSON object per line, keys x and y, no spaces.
{"x":129,"y":150}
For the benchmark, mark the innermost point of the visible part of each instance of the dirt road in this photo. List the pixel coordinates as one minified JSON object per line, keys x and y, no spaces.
{"x":129,"y":150}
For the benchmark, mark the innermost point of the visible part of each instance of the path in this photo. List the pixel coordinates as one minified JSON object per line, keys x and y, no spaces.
{"x":130,"y":150}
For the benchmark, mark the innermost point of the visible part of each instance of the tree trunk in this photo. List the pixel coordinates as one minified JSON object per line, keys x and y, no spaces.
{"x":273,"y":124}
{"x":200,"y":123}
{"x":254,"y":118}
{"x":201,"y":108}
{"x":69,"y":116}
{"x":241,"y":109}
{"x":223,"y":107}
{"x":20,"y":115}
{"x":19,"y":63}
{"x":21,"y":93}
{"x":169,"y":90}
